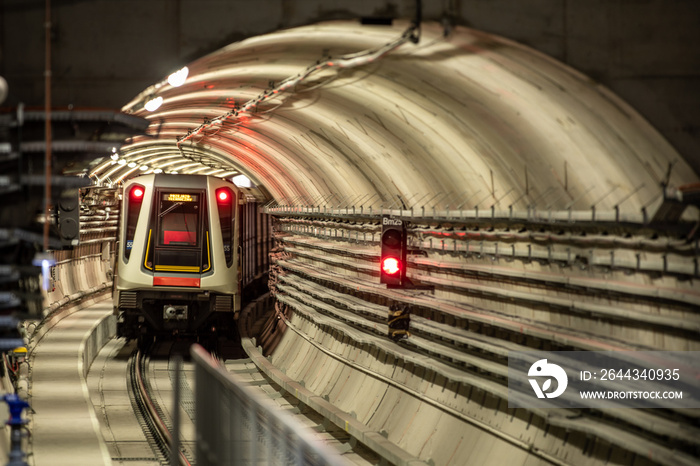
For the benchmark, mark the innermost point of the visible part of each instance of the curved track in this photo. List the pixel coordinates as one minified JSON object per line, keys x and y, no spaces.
{"x":134,"y":400}
{"x":148,"y":383}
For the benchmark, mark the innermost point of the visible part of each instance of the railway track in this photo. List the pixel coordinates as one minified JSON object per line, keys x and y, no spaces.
{"x":133,"y":395}
{"x":150,"y":385}
{"x":153,"y":415}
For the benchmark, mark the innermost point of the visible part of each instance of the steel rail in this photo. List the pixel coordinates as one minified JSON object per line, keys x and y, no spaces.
{"x":151,"y":411}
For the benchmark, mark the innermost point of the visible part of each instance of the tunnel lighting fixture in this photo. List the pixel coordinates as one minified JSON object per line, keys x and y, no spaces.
{"x":132,"y":165}
{"x":144,"y":168}
{"x":157,"y":170}
{"x":174,"y":172}
{"x":242,"y":181}
{"x":46,"y":261}
{"x":121,"y":162}
{"x":179,"y":77}
{"x":115,"y":156}
{"x":153,"y":104}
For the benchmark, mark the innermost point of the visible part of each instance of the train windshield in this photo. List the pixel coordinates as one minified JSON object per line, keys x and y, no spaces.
{"x":178,"y":221}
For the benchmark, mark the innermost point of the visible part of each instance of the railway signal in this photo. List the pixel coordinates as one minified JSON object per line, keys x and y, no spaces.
{"x":393,"y":254}
{"x":68,"y":213}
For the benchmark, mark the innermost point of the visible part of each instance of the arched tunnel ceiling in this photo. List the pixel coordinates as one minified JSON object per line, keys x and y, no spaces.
{"x":470,"y":119}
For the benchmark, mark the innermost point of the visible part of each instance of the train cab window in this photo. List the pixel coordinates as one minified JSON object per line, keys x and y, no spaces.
{"x":187,"y":238}
{"x":178,"y":220}
{"x":180,"y":237}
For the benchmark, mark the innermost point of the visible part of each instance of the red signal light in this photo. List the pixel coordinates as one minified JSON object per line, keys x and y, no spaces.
{"x":223,"y":196}
{"x":391,"y":265}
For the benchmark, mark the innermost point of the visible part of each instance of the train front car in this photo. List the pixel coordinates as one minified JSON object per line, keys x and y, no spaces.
{"x":177,"y":271}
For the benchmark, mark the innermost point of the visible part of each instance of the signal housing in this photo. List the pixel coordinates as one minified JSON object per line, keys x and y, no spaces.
{"x":392,"y":263}
{"x":68,"y":213}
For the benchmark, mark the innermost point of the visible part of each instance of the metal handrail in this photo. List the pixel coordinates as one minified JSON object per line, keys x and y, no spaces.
{"x":225,"y":404}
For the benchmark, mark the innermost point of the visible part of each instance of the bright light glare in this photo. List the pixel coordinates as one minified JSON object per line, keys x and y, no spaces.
{"x":45,"y":273}
{"x":223,"y":196}
{"x":242,"y":181}
{"x":132,"y":165}
{"x":46,"y":261}
{"x":153,"y":104}
{"x":115,"y":156}
{"x":158,"y":170}
{"x":391,"y":266}
{"x":121,"y":162}
{"x":144,"y":168}
{"x":178,"y":78}
{"x":137,"y":193}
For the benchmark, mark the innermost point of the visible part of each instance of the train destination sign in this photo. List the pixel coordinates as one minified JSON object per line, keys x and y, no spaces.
{"x":180,"y":197}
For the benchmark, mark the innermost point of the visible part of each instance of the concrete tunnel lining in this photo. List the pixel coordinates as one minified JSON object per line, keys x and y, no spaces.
{"x":470,"y":113}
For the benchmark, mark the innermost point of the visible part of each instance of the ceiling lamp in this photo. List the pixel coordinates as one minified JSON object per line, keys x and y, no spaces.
{"x":153,"y":104}
{"x":242,"y":181}
{"x":178,"y":78}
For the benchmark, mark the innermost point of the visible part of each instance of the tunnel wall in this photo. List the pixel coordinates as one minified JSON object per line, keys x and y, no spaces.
{"x":441,"y":394}
{"x":84,"y":273}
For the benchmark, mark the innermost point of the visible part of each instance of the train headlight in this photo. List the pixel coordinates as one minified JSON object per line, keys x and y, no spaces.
{"x":223,"y":196}
{"x":133,"y":208}
{"x":137,"y":193}
{"x":225,"y":201}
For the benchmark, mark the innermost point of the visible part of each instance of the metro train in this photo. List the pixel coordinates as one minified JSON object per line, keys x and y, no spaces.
{"x":190,"y":249}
